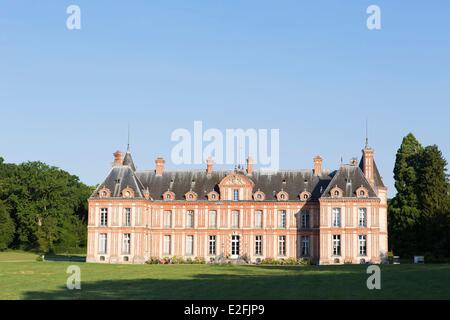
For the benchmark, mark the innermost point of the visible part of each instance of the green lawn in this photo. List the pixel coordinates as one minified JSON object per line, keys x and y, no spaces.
{"x":21,"y":277}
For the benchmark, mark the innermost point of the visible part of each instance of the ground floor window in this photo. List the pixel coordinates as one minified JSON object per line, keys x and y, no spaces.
{"x":103,"y":242}
{"x":167,"y":245}
{"x":282,"y":245}
{"x":336,"y":245}
{"x":305,"y":246}
{"x":126,"y":241}
{"x":235,"y":245}
{"x":362,"y":245}
{"x":258,"y":245}
{"x":190,"y":245}
{"x":212,"y":246}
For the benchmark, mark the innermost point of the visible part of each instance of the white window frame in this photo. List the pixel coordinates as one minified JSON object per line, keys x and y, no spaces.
{"x":336,"y":245}
{"x":258,"y":245}
{"x":362,"y":245}
{"x":167,"y":219}
{"x":127,"y":217}
{"x":190,"y":219}
{"x":235,"y":194}
{"x":189,"y":245}
{"x":259,"y":219}
{"x":282,"y":219}
{"x":213,"y":219}
{"x":235,"y":217}
{"x":103,"y":243}
{"x":336,"y":216}
{"x":212,"y":245}
{"x":306,"y":222}
{"x":362,"y":217}
{"x":167,"y":245}
{"x":126,"y":243}
{"x":103,"y":217}
{"x":306,"y":246}
{"x":282,"y":249}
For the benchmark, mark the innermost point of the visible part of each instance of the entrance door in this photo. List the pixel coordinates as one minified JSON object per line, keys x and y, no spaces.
{"x":235,"y":244}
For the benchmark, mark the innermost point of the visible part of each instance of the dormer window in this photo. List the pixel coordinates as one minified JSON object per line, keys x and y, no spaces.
{"x":336,"y":192}
{"x":213,"y":196}
{"x":169,"y":196}
{"x":362,"y":192}
{"x":191,"y":196}
{"x":305,"y":196}
{"x":282,"y":196}
{"x":104,"y":193}
{"x":259,"y":196}
{"x":128,"y":193}
{"x":236,"y":195}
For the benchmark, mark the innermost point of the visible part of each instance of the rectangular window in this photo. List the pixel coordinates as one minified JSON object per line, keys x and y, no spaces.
{"x":259,"y":219}
{"x":258,"y":245}
{"x":104,"y":217}
{"x":167,"y":246}
{"x":167,"y":219}
{"x":362,"y":245}
{"x":282,"y":219}
{"x":336,"y":217}
{"x":212,"y":246}
{"x":336,"y":245}
{"x":190,"y":219}
{"x":305,"y":220}
{"x":236,"y":195}
{"x":190,"y":245}
{"x":235,"y":219}
{"x":103,"y":243}
{"x":213,"y":219}
{"x":127,"y":217}
{"x":126,"y":243}
{"x":305,"y":246}
{"x":362,"y":214}
{"x":282,"y":245}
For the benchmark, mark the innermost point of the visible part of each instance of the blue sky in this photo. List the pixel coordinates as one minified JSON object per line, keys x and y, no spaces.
{"x":310,"y":68}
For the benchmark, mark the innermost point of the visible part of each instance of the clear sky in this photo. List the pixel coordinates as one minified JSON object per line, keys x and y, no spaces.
{"x":310,"y":68}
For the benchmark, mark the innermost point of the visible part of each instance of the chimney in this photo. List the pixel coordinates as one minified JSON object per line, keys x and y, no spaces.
{"x":318,"y":165}
{"x":368,"y":167}
{"x":209,"y":166}
{"x":159,"y":169}
{"x":249,"y":166}
{"x":118,"y":159}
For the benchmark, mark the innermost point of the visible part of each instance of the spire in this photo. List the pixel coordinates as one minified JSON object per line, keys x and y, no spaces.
{"x":128,"y":143}
{"x":367,"y":133}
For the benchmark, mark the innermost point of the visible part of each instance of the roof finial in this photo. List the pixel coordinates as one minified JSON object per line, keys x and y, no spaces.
{"x":128,"y":143}
{"x":367,"y":133}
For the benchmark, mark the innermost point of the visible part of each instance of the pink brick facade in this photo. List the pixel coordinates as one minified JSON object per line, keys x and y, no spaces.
{"x":329,"y":217}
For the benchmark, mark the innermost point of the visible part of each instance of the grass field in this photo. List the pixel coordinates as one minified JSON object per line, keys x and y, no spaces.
{"x":22,"y":277}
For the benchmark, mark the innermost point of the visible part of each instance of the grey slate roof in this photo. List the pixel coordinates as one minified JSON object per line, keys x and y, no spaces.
{"x":377,"y":177}
{"x":349,"y":178}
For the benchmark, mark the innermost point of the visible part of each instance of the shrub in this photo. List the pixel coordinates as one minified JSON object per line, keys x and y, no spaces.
{"x":199,"y":260}
{"x":152,"y":260}
{"x":177,"y":260}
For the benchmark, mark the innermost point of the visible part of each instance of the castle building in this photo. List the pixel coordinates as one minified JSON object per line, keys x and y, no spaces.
{"x":329,"y":217}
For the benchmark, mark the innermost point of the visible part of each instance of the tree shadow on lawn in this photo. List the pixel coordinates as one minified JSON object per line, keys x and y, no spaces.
{"x":326,"y":283}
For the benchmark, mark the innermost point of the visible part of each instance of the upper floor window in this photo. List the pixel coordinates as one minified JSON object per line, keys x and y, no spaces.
{"x":127,"y":217}
{"x":362,"y":217}
{"x":235,"y":219}
{"x":190,"y":219}
{"x":282,"y":219}
{"x":167,"y":219}
{"x":336,"y":217}
{"x":104,"y":217}
{"x":236,"y":194}
{"x":305,"y":220}
{"x":213,"y":219}
{"x":258,"y":219}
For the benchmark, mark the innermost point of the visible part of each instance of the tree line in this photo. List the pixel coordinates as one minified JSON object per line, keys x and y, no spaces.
{"x":419,"y":214}
{"x":42,"y":208}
